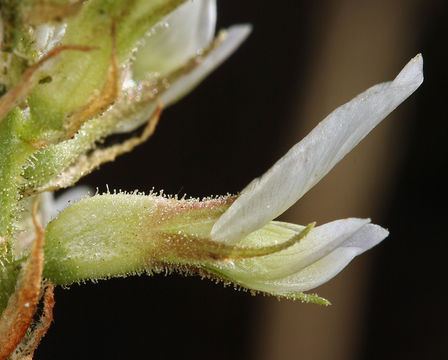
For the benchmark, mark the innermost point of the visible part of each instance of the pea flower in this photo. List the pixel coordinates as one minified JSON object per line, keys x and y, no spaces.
{"x":233,"y":238}
{"x":170,"y":60}
{"x":327,"y":249}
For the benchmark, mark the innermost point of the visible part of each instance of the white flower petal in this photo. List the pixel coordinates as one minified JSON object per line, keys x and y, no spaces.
{"x":51,"y":207}
{"x":316,"y":273}
{"x":47,"y":37}
{"x":181,"y":35}
{"x":312,"y":276}
{"x":308,"y":161}
{"x":321,"y":241}
{"x":233,"y":37}
{"x":366,"y":237}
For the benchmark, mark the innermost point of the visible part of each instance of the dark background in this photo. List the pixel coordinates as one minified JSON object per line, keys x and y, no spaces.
{"x":215,"y":141}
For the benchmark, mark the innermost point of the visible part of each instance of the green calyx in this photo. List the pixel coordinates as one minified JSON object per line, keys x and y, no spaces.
{"x":117,"y":235}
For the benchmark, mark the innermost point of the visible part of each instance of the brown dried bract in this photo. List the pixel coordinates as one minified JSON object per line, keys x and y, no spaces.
{"x":101,"y":156}
{"x":18,"y":315}
{"x":28,"y":345}
{"x":19,"y":92}
{"x":109,"y":93}
{"x":45,"y":11}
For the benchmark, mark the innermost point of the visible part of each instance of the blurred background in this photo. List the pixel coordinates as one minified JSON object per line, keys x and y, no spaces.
{"x":302,"y":60}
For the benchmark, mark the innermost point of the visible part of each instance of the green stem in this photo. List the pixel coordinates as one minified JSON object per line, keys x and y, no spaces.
{"x":13,"y":154}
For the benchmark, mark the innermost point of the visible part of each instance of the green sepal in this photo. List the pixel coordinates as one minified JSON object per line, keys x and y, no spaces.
{"x":306,"y":298}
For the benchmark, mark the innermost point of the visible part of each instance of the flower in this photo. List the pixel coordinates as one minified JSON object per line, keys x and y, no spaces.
{"x":233,"y":238}
{"x":178,"y":53}
{"x":173,"y":58}
{"x":327,"y":249}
